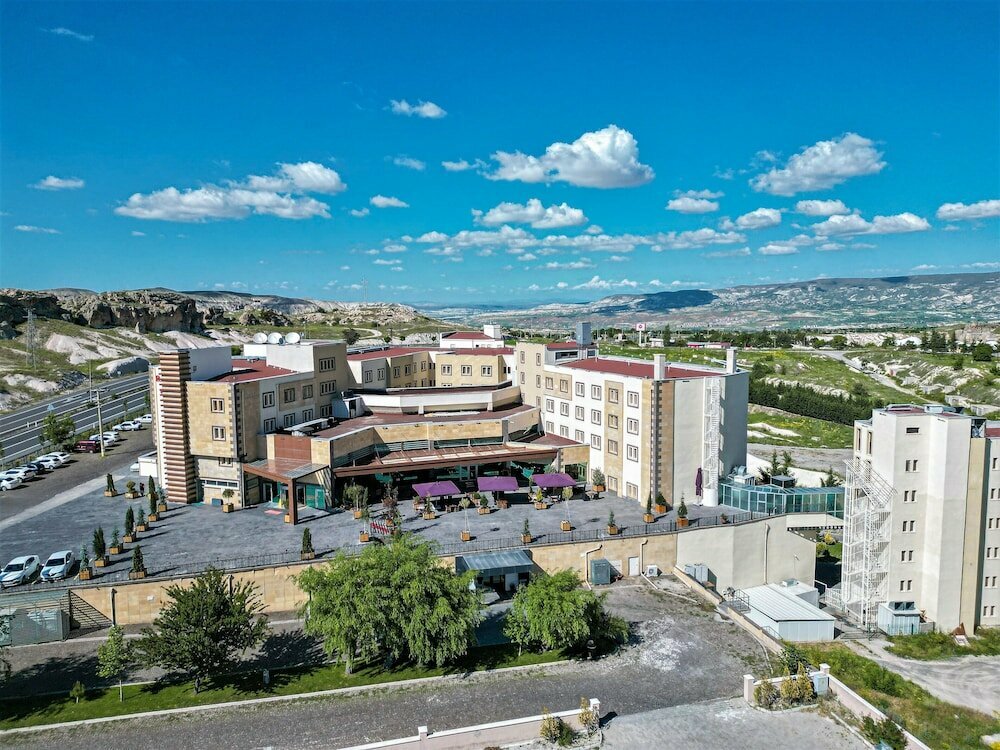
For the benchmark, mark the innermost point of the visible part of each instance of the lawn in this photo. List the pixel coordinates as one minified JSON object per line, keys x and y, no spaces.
{"x":34,"y":711}
{"x":940,"y":724}
{"x":775,"y":427}
{"x":932,"y":646}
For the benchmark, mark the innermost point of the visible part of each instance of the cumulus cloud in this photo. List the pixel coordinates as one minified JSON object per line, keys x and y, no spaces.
{"x":821,"y":208}
{"x":386,"y":262}
{"x":387,"y":201}
{"x":597,"y":282}
{"x":59,"y":183}
{"x":36,"y":230}
{"x":778,"y":248}
{"x":409,"y":163}
{"x":822,"y":166}
{"x":694,"y":202}
{"x":360,"y":213}
{"x":533,"y":213}
{"x":304,"y":177}
{"x":63,"y":31}
{"x":607,"y":158}
{"x":856,"y":224}
{"x":427,"y":110}
{"x":737,"y":253}
{"x":136,"y":233}
{"x":760,"y":218}
{"x":695,"y":238}
{"x":574,"y":265}
{"x":963,"y":212}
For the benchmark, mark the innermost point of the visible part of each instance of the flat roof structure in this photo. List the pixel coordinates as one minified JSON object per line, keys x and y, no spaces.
{"x":393,"y":418}
{"x":489,"y":564}
{"x":771,"y":601}
{"x":393,"y":351}
{"x":631,"y":368}
{"x":483,"y":351}
{"x":415,"y":460}
{"x":250,"y":369}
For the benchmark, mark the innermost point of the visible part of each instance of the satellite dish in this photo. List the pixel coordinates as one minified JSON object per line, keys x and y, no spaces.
{"x":274,"y":338}
{"x":260,"y":338}
{"x":293,"y":338}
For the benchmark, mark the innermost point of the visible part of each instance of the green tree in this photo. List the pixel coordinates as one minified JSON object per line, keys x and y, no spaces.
{"x":307,"y":542}
{"x":57,"y":430}
{"x":129,"y":521}
{"x":391,"y":602}
{"x":114,"y":657}
{"x":830,"y":480}
{"x":4,"y":650}
{"x":204,"y":627}
{"x":100,"y":548}
{"x":138,"y":564}
{"x":77,"y":692}
{"x":982,"y":353}
{"x":555,"y":612}
{"x":351,"y":336}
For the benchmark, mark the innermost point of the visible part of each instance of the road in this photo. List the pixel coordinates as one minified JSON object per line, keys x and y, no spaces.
{"x":20,"y":429}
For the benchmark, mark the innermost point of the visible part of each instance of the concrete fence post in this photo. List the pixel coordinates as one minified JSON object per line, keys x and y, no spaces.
{"x":824,"y":669}
{"x":748,"y":688}
{"x":422,"y":736}
{"x":595,"y":706}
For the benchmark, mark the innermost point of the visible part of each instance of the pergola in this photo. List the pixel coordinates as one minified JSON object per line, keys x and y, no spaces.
{"x":286,"y":471}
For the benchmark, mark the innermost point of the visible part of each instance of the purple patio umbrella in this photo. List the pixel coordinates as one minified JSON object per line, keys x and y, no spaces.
{"x":496,"y":484}
{"x":435,"y":489}
{"x":697,"y":483}
{"x":553,"y":481}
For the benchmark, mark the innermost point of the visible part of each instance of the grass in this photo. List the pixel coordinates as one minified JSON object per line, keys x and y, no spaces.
{"x":38,"y":710}
{"x":933,"y":646}
{"x":835,"y":550}
{"x":938,"y":723}
{"x":809,"y":432}
{"x":975,"y":380}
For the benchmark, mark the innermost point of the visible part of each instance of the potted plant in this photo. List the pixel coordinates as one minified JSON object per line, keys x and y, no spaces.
{"x":465,"y":503}
{"x":358,"y":497}
{"x":129,"y":537}
{"x":227,"y":500}
{"x":724,"y":518}
{"x":526,"y":533}
{"x":130,"y":491}
{"x":307,"y":552}
{"x":648,"y":517}
{"x":140,"y":521}
{"x":109,"y":489}
{"x":661,"y":503}
{"x":540,"y":503}
{"x":597,"y":479}
{"x":567,"y":494}
{"x":502,"y":502}
{"x":138,"y":565}
{"x":682,"y":514}
{"x":153,"y":515}
{"x":396,"y":519}
{"x":612,"y":526}
{"x":565,"y":525}
{"x":365,"y":534}
{"x":429,"y":513}
{"x":100,"y":550}
{"x":161,"y":504}
{"x":484,"y":505}
{"x":116,"y":543}
{"x":85,"y":572}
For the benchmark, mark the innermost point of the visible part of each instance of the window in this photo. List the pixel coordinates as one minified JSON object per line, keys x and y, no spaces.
{"x":909,"y":496}
{"x":327,"y":387}
{"x":632,"y":452}
{"x":218,"y":405}
{"x":538,"y":359}
{"x":326,"y":410}
{"x":225,"y":462}
{"x":595,"y":442}
{"x":563,"y":431}
{"x":912,"y":430}
{"x":538,"y":381}
{"x":289,"y":419}
{"x":580,"y":389}
{"x":381,"y":375}
{"x":267,"y":399}
{"x":549,"y":427}
{"x":522,"y":378}
{"x":506,"y":369}
{"x":990,"y":582}
{"x":631,"y":490}
{"x":564,"y":386}
{"x":550,"y":405}
{"x":578,"y":436}
{"x":906,"y":585}
{"x":633,"y":398}
{"x":395,"y":372}
{"x":522,"y":356}
{"x":423,"y":366}
{"x":613,"y":421}
{"x":307,"y":414}
{"x":906,"y":555}
{"x":995,"y":464}
{"x":595,"y":392}
{"x":288,"y":395}
{"x":988,"y":611}
{"x":909,"y":527}
{"x":548,"y":383}
{"x":580,"y":412}
{"x":407,"y":369}
{"x":486,"y":371}
{"x":613,"y":483}
{"x":466,"y":370}
{"x":218,"y":433}
{"x":857,"y":439}
{"x":327,"y":363}
{"x":564,"y":408}
{"x":911,"y":464}
{"x":869,"y":450}
{"x":613,"y":395}
{"x":446,"y":369}
{"x":368,"y":376}
{"x":632,"y":425}
{"x":613,"y":447}
{"x":307,"y":391}
{"x":269,"y":424}
{"x":595,"y":416}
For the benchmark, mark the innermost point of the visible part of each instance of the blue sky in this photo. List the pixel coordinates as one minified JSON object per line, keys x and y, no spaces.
{"x":300,"y":148}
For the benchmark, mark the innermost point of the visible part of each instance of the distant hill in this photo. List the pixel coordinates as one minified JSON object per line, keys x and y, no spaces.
{"x":845,"y":302}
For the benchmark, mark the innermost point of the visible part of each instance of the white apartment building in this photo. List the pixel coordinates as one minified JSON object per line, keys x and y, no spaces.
{"x":922,"y":516}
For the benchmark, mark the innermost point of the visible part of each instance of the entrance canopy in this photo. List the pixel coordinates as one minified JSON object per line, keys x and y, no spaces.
{"x":490,"y":564}
{"x":553,"y":481}
{"x":436,"y":489}
{"x":496,"y":484}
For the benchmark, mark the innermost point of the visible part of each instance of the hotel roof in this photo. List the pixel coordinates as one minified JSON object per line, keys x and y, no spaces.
{"x":471,"y":335}
{"x":567,"y":345}
{"x":483,"y":351}
{"x":250,"y":369}
{"x":380,"y":419}
{"x":394,"y":351}
{"x":636,"y":369}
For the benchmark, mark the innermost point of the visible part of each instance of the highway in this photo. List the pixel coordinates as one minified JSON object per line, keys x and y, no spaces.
{"x":19,"y":430}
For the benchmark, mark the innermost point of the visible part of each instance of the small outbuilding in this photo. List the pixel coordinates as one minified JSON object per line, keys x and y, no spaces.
{"x":787,"y":615}
{"x":503,"y":571}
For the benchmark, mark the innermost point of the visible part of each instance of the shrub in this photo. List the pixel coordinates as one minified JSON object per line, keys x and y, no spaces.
{"x":307,"y":541}
{"x":78,"y":691}
{"x":886,"y":731}
{"x":138,"y":564}
{"x":556,"y":731}
{"x":100,"y":549}
{"x":804,"y":684}
{"x":526,"y":529}
{"x":597,"y":476}
{"x":129,"y":521}
{"x":766,"y":694}
{"x":682,"y":510}
{"x":611,"y":518}
{"x":588,"y":717}
{"x":789,"y":690}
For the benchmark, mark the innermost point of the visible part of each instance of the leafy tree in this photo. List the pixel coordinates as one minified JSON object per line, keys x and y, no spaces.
{"x":204,"y":627}
{"x":886,"y":731}
{"x":114,"y":657}
{"x":982,"y":353}
{"x":791,"y":658}
{"x":57,"y":430}
{"x":78,"y":691}
{"x":830,"y":480}
{"x":555,"y":612}
{"x":351,"y":336}
{"x":391,"y":602}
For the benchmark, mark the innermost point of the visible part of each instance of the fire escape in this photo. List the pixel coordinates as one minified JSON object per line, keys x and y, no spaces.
{"x":710,"y":458}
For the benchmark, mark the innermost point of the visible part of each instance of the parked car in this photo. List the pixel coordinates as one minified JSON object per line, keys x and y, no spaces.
{"x":145,"y":419}
{"x":9,"y":483}
{"x":49,"y":462}
{"x":37,"y":466}
{"x":19,"y":570}
{"x":130,"y":426}
{"x":58,"y":566}
{"x":21,"y":472}
{"x":86,"y":446}
{"x":61,"y":456}
{"x":105,"y":438}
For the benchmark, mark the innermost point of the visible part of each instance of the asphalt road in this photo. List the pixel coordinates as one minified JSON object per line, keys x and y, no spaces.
{"x":20,"y":429}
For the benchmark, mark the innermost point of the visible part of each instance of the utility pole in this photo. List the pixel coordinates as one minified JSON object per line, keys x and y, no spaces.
{"x":100,"y":423}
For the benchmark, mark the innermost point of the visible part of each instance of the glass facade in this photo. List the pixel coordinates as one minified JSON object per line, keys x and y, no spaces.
{"x":768,"y":498}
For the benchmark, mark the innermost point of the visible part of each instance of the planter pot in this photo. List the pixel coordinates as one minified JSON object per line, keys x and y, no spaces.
{"x":228,"y":507}
{"x":541,"y":506}
{"x":288,"y":518}
{"x":357,"y":515}
{"x":466,"y":536}
{"x":363,"y":537}
{"x":503,"y":504}
{"x":161,"y":507}
{"x":129,"y":538}
{"x":307,"y":555}
{"x":660,"y":508}
{"x":429,"y":515}
{"x":566,"y":526}
{"x":525,"y":538}
{"x":152,"y":518}
{"x":484,"y":511}
{"x":648,"y":518}
{"x":141,"y":527}
{"x":136,"y":575}
{"x":86,"y":574}
{"x":109,"y":493}
{"x":101,"y":562}
{"x":682,"y":522}
{"x":131,"y":495}
{"x":613,"y":530}
{"x":598,"y":488}
{"x":116,"y":550}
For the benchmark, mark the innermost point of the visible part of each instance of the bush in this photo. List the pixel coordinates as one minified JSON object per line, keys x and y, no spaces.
{"x":588,"y":717}
{"x":556,"y":731}
{"x":307,"y":542}
{"x":766,"y":694}
{"x":78,"y":691}
{"x":886,"y":731}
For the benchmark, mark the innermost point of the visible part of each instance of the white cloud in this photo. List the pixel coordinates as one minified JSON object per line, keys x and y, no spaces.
{"x":618,"y":258}
{"x":821,"y":208}
{"x":695,"y":238}
{"x":345,"y":268}
{"x":423,"y":109}
{"x":738,"y":253}
{"x":962,"y":212}
{"x":387,"y":201}
{"x":594,"y":229}
{"x":409,"y":163}
{"x":485,"y":252}
{"x":456,"y":166}
{"x":394,"y":249}
{"x":925,"y":267}
{"x":856,"y":224}
{"x":982,"y":264}
{"x":360,"y":213}
{"x":63,"y":31}
{"x":574,"y":265}
{"x":606,"y":158}
{"x":303,"y":177}
{"x":136,"y":233}
{"x":822,"y":166}
{"x":597,"y":282}
{"x":778,"y":248}
{"x":59,"y":183}
{"x":36,"y":230}
{"x":532,"y":212}
{"x":827,"y":247}
{"x":688,"y":205}
{"x":760,"y":218}
{"x":386,"y":262}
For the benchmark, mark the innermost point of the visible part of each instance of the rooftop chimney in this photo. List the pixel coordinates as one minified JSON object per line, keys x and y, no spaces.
{"x":659,"y":367}
{"x":730,"y":360}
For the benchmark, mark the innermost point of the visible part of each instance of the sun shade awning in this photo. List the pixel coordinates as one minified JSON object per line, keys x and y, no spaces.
{"x":436,"y":489}
{"x":553,"y":481}
{"x":495,"y":563}
{"x":496,"y":484}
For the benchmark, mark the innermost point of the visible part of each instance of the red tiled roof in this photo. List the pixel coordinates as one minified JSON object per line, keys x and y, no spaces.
{"x":486,"y":351}
{"x":395,"y":351}
{"x":251,"y":369}
{"x":634,"y":369}
{"x":472,"y":335}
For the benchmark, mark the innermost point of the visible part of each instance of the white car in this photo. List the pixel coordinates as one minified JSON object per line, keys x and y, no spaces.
{"x":106,"y":438}
{"x":49,"y":462}
{"x":58,"y":566}
{"x":9,"y":483}
{"x":62,"y":458}
{"x":19,"y":570}
{"x":130,"y":426}
{"x":21,"y":472}
{"x":145,"y":419}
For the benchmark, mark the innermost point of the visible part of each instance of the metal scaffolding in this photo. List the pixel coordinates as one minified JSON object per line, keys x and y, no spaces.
{"x":867,"y":529}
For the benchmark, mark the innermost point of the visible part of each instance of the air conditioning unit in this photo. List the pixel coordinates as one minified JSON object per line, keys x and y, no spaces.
{"x":652,"y":571}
